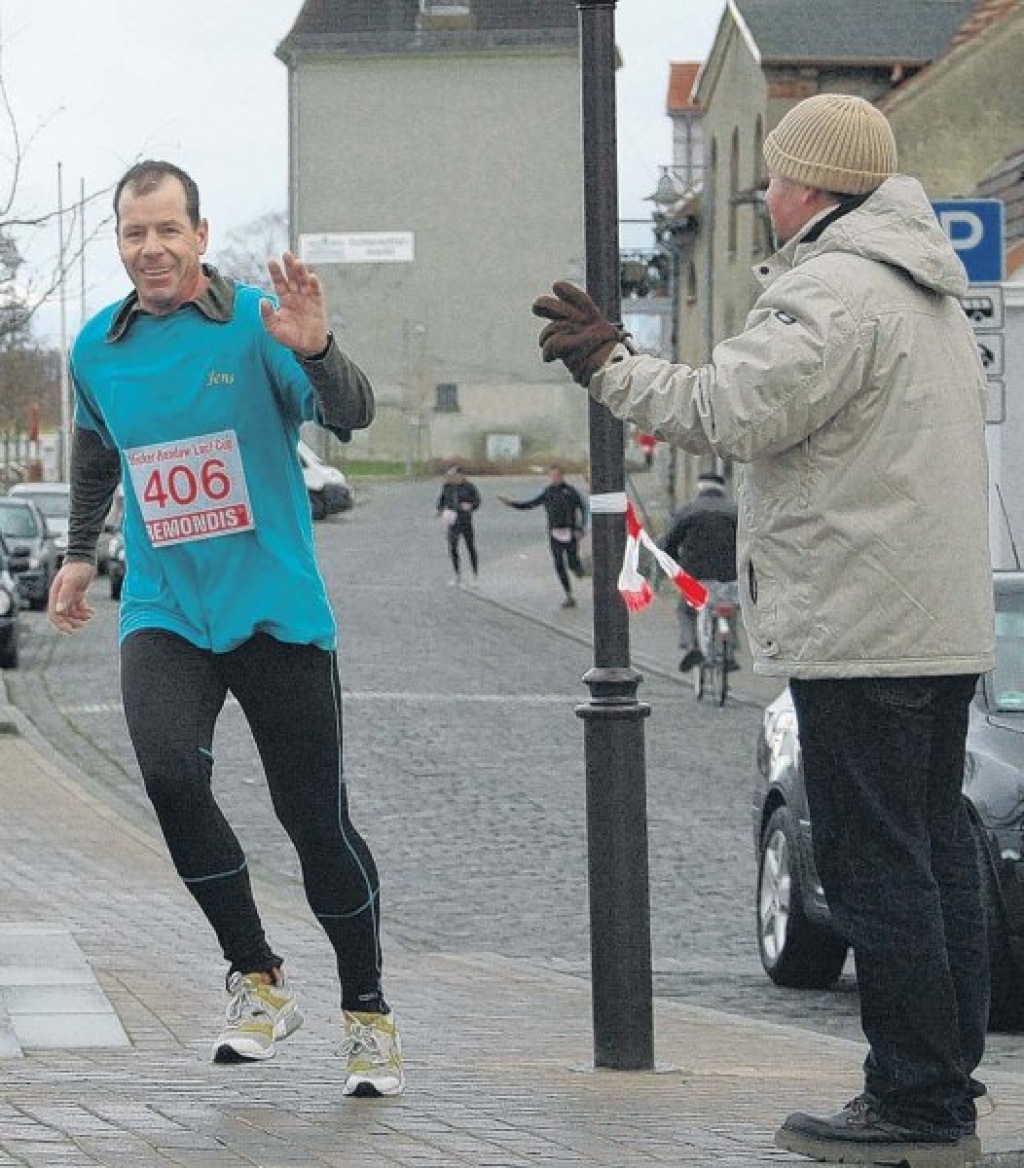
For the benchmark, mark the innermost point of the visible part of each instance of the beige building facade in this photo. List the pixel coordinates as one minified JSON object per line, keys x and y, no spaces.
{"x":947,"y":76}
{"x":957,"y":121}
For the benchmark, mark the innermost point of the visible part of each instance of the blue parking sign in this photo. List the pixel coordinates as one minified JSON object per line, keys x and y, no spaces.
{"x":976,"y":229}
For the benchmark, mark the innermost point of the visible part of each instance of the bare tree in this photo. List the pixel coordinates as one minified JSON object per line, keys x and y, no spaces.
{"x":29,"y":375}
{"x":32,"y":287}
{"x":248,"y":248}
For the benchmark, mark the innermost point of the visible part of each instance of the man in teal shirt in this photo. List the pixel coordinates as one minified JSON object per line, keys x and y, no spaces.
{"x":191,"y":391}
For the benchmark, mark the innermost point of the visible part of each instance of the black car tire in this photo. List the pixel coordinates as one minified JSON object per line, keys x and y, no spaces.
{"x":11,"y":652}
{"x":115,"y":586}
{"x":317,"y":505}
{"x":38,"y":603}
{"x":795,"y":952}
{"x":721,"y":681}
{"x":1006,"y":1007}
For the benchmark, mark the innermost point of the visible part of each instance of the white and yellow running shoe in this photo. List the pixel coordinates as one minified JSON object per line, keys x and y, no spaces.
{"x":372,"y":1049}
{"x":258,"y":1014}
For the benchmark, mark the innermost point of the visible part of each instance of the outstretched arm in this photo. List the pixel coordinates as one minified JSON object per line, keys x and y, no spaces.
{"x":524,"y":505}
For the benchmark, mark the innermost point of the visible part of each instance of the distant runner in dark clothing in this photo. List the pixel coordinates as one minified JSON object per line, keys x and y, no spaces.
{"x":458,"y":500}
{"x":567,"y":522}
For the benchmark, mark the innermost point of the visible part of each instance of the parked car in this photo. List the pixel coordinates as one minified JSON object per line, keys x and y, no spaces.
{"x":54,"y":500}
{"x":329,"y":492}
{"x":105,"y":545}
{"x":10,"y":612}
{"x":34,"y":558}
{"x":117,"y":566}
{"x":797,"y":943}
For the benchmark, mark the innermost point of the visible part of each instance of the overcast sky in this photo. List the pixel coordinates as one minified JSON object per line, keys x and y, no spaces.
{"x":95,"y":84}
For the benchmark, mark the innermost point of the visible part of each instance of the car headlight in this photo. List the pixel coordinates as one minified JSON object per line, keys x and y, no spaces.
{"x":6,"y":603}
{"x":61,"y":543}
{"x":784,"y":722}
{"x":34,"y":562}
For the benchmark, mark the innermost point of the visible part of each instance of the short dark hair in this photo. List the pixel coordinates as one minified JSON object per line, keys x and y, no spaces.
{"x":146,"y":176}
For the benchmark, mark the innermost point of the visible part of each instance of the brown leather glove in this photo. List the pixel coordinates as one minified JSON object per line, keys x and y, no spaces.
{"x":578,"y":335}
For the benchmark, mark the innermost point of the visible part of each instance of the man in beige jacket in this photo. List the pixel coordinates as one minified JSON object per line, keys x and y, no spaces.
{"x":854,"y":401}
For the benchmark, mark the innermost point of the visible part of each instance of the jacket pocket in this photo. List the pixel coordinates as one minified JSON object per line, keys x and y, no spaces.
{"x":760,"y":610}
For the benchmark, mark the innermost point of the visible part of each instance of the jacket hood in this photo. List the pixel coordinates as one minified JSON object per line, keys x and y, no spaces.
{"x":896,"y":225}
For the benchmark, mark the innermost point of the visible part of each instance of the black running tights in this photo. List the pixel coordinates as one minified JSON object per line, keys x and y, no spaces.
{"x":290,"y":695}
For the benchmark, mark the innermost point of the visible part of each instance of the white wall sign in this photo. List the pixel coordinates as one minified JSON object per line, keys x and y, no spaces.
{"x":358,"y":247}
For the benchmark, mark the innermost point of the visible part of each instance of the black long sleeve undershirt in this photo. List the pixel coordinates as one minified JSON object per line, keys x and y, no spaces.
{"x":343,"y":392}
{"x":95,"y":473}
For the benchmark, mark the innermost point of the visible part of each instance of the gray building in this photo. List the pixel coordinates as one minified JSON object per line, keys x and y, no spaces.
{"x":435,"y":185}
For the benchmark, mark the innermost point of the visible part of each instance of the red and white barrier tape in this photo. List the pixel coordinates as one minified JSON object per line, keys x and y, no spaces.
{"x":635,"y":588}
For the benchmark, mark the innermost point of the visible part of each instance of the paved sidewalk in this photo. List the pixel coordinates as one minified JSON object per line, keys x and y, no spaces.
{"x":498,"y":1054}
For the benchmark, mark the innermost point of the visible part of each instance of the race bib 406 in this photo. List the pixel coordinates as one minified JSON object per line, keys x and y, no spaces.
{"x":191,"y":489}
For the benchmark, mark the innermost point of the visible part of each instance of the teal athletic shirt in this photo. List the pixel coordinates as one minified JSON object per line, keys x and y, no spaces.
{"x":160,"y":388}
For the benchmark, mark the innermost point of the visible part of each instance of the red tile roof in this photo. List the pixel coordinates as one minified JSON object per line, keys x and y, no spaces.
{"x":985,"y":17}
{"x":682,"y":75}
{"x":987,"y":13}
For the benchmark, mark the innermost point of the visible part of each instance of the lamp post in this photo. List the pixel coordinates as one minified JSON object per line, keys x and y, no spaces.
{"x":620,"y":924}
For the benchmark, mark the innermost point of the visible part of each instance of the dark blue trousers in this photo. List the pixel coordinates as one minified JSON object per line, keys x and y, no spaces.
{"x":884,"y":764}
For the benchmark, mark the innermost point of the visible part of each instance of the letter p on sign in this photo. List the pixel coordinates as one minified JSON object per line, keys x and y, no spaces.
{"x":976,"y":230}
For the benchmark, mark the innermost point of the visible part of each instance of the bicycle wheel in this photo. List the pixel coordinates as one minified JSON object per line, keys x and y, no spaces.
{"x":705,"y":642}
{"x":723,"y":659}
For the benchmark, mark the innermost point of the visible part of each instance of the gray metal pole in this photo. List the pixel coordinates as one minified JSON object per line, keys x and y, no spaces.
{"x":620,"y":923}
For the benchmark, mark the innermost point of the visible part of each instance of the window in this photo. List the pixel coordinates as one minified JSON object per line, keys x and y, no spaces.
{"x":691,"y":281}
{"x":761,"y":235}
{"x":447,"y":401}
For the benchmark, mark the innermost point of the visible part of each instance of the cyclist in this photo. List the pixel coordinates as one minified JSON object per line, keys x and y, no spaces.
{"x":702,"y":539}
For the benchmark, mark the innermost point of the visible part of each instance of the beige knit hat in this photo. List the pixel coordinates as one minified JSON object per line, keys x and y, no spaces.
{"x":833,"y":142}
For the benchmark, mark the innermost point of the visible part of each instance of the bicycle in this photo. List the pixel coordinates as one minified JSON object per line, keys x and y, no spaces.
{"x":716,"y":637}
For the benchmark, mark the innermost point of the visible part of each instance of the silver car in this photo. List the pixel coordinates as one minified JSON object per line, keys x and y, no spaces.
{"x":34,"y":558}
{"x":797,"y":943}
{"x":54,"y":500}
